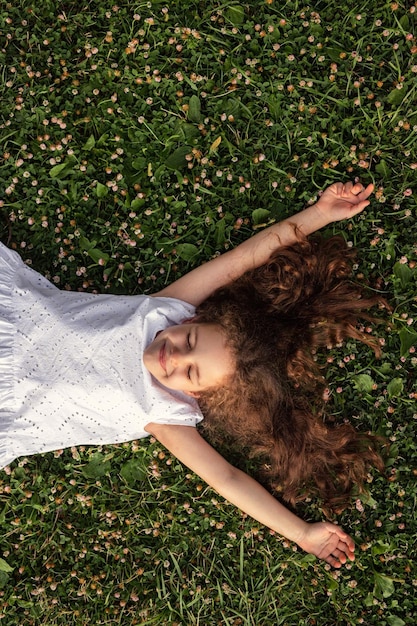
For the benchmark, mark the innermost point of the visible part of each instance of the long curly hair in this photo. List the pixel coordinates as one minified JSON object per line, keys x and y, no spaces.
{"x":274,"y":319}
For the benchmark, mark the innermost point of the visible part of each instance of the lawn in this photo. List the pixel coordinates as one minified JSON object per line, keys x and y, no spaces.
{"x":138,"y":140}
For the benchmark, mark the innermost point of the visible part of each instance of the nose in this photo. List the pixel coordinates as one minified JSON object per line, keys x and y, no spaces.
{"x":177,"y":357}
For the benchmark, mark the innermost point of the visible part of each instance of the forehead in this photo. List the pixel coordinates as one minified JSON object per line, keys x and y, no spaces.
{"x":211,"y":335}
{"x":213,"y":357}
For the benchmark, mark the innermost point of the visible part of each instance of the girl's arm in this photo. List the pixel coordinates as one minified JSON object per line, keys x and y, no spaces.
{"x":325,"y":540}
{"x":338,"y":202}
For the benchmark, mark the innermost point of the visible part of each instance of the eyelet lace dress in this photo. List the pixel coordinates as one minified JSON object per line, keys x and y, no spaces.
{"x":71,"y":369}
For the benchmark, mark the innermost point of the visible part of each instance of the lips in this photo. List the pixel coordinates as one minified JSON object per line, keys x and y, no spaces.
{"x":162,"y":357}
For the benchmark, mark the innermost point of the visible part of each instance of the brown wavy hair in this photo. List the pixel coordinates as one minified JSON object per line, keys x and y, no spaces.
{"x":274,"y":319}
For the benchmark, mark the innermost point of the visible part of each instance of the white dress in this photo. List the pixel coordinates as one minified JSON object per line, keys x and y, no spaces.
{"x":71,"y":368}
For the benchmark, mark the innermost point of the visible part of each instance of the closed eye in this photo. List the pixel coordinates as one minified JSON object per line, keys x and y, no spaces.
{"x":189,"y":346}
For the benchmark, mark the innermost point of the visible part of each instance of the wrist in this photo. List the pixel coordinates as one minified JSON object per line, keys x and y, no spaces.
{"x":299,"y":532}
{"x":320,"y":213}
{"x":312,"y":219}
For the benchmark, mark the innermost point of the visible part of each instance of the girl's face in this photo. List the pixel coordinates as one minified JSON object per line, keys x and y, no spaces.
{"x":189,"y":357}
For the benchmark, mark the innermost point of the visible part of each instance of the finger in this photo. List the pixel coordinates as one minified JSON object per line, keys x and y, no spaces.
{"x":346,"y":551}
{"x":333,"y":561}
{"x":357,"y":208}
{"x":344,"y":544}
{"x":357,"y":188}
{"x":342,"y":554}
{"x":363,"y":193}
{"x":347,"y":188}
{"x":338,"y":558}
{"x":344,"y":538}
{"x":337,"y":188}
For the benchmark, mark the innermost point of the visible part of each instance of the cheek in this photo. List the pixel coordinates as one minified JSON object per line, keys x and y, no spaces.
{"x":150,"y":354}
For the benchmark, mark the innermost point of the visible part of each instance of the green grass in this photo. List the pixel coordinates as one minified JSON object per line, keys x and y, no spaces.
{"x":138,"y":140}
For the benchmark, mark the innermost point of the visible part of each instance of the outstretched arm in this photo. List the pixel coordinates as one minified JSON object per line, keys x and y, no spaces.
{"x":338,"y":202}
{"x":325,"y":540}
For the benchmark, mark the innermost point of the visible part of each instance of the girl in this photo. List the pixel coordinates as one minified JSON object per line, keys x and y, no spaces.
{"x":80,"y":368}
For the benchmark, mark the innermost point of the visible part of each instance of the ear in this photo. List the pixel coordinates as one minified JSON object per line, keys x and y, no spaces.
{"x":189,"y":320}
{"x":193,"y":394}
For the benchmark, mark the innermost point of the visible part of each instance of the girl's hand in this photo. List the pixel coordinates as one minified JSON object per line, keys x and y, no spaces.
{"x":328,"y":542}
{"x":341,"y":201}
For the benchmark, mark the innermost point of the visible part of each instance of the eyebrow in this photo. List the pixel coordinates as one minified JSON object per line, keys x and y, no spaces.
{"x":197,"y":372}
